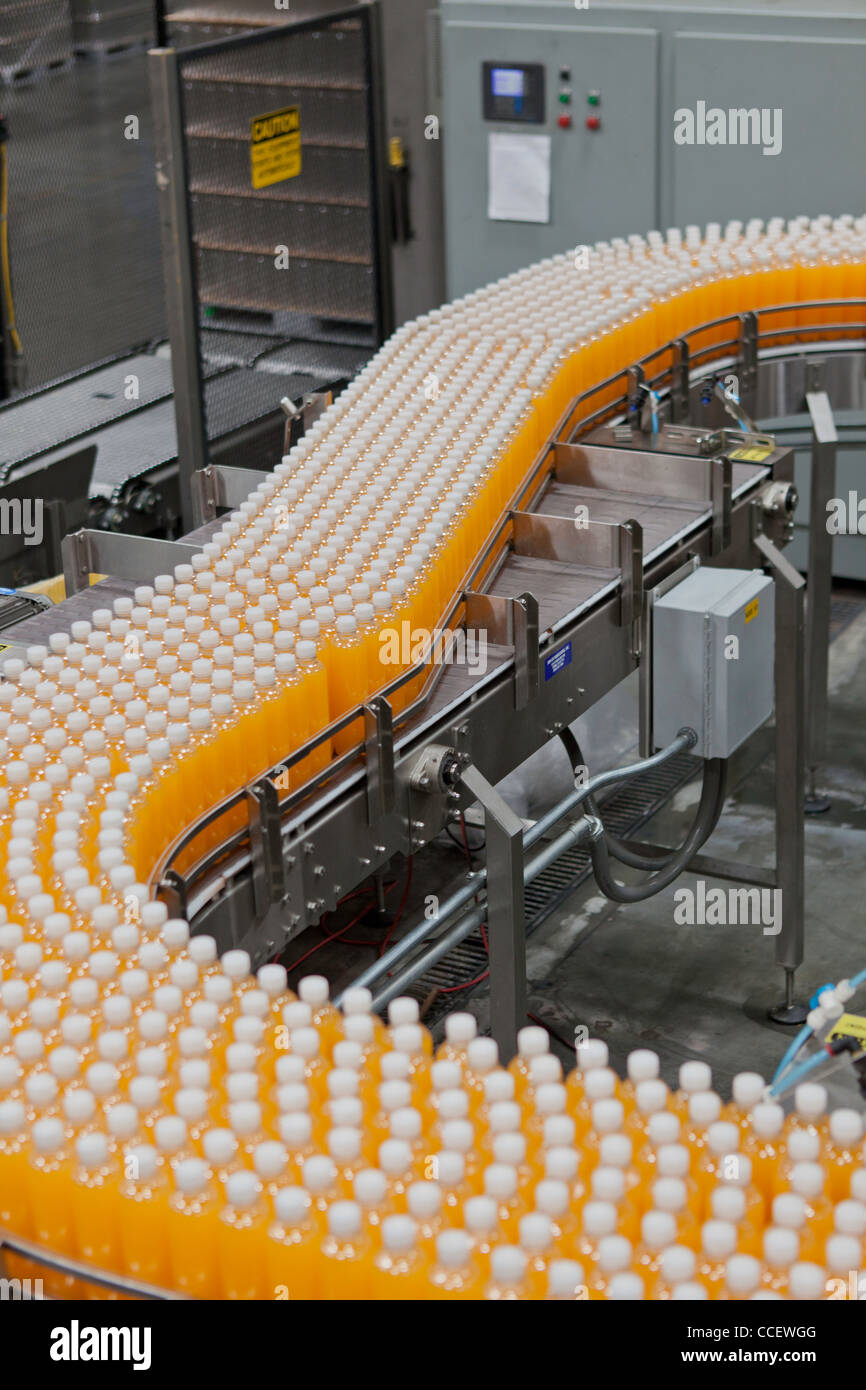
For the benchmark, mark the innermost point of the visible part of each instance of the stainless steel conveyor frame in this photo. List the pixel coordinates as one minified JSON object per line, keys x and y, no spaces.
{"x":675,"y":494}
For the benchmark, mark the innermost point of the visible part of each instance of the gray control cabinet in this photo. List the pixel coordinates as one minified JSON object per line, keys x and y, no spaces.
{"x":645,"y":63}
{"x":713,"y":649}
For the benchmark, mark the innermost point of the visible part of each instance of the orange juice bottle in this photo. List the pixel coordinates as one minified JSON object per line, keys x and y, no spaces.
{"x":763,"y":1145}
{"x":456,"y":1273}
{"x":671,"y":1194}
{"x":601,"y":1083}
{"x":677,"y":1265}
{"x":347,"y":684}
{"x":536,"y":1241}
{"x":424,"y":1204}
{"x":598,"y":1219}
{"x":614,"y":1257}
{"x":480,"y":1219}
{"x":191,"y":1230}
{"x":314,"y":696}
{"x":531,"y":1042}
{"x":841,"y":1255}
{"x":640,"y":1065}
{"x":591,"y":1054}
{"x":14,"y":1204}
{"x":400,"y":1268}
{"x":650,"y":1098}
{"x":292,"y":1248}
{"x":566,"y":1281}
{"x":743,"y":1278}
{"x":808,"y":1183}
{"x":801,"y":1146}
{"x":510,"y":1149}
{"x":718,"y":1244}
{"x":370,"y":1191}
{"x":314,"y":990}
{"x":240,"y":1239}
{"x":481,"y":1059}
{"x":810,"y":1110}
{"x":501,"y":1183}
{"x":781,"y":1250}
{"x":747,"y":1091}
{"x":143,"y":1192}
{"x":728,"y":1203}
{"x":508,"y":1268}
{"x":695,"y":1078}
{"x":344,"y":1145}
{"x":658,"y":1230}
{"x":607,"y":1118}
{"x":49,"y":1190}
{"x":321,"y":1181}
{"x":807,"y":1282}
{"x":95,"y":1206}
{"x":460,"y":1031}
{"x":841,"y":1153}
{"x":849,"y":1219}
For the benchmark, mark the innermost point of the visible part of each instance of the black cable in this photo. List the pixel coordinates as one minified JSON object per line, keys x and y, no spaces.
{"x":619,"y":849}
{"x":709,"y":810}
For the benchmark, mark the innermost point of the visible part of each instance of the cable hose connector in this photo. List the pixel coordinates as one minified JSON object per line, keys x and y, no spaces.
{"x":689,"y":734}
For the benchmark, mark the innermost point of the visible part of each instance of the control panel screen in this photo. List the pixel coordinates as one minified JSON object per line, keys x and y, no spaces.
{"x":513,"y":92}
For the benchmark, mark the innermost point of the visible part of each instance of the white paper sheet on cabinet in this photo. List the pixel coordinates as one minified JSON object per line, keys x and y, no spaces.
{"x":518,"y":174}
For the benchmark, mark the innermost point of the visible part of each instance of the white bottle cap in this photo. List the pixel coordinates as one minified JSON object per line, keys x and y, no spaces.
{"x":507,"y":1265}
{"x":742,"y":1275}
{"x":532,"y":1042}
{"x":747,"y":1089}
{"x":767,"y":1119}
{"x":642,"y":1065}
{"x":565,"y":1279}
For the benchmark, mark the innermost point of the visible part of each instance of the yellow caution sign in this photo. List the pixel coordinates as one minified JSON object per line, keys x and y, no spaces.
{"x":849,"y":1026}
{"x":275,"y":146}
{"x":754,"y":453}
{"x":751,"y":610}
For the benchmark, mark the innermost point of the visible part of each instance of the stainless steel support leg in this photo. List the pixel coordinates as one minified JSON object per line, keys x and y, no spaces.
{"x":790,"y":772}
{"x":180,"y":284}
{"x":505,"y":912}
{"x":823,"y":487}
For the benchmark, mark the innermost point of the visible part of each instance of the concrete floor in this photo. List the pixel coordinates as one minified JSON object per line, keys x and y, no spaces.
{"x":634,"y":977}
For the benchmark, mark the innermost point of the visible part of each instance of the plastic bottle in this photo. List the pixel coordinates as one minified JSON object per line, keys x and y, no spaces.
{"x":292,"y":1248}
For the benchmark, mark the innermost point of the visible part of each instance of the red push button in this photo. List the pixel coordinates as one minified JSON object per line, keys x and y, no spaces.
{"x":593,"y":122}
{"x":564,"y":122}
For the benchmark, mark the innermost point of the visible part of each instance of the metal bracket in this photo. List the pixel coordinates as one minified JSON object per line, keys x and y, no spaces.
{"x":635,"y":390}
{"x":505,"y":911}
{"x":721,"y":471}
{"x":172,"y":890}
{"x":679,"y":390}
{"x":302,"y":418}
{"x":120,"y":555}
{"x":266,"y":847}
{"x":510,"y":622}
{"x":379,"y":745}
{"x":734,"y":409}
{"x":217,"y":486}
{"x":748,"y":360}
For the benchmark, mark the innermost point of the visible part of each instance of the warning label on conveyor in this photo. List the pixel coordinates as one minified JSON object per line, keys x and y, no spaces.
{"x":275,"y":146}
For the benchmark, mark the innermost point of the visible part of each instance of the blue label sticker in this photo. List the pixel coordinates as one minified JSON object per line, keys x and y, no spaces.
{"x":557,"y":661}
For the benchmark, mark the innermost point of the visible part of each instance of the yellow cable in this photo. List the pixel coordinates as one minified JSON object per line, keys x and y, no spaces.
{"x":4,"y":251}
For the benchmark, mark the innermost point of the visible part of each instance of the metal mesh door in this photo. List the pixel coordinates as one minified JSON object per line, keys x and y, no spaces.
{"x":296,"y":257}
